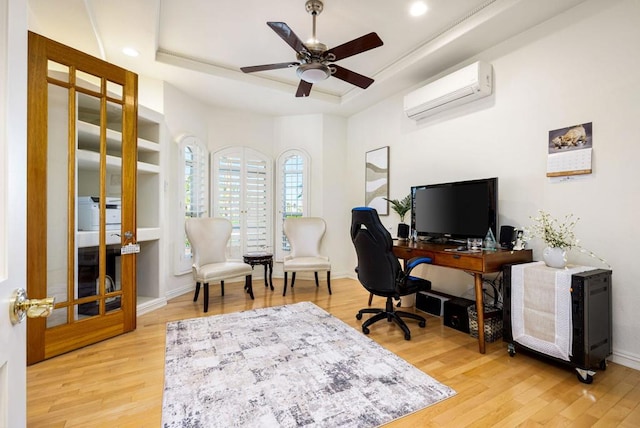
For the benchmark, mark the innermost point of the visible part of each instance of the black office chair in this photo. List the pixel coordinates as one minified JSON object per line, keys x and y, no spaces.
{"x":380,"y":272}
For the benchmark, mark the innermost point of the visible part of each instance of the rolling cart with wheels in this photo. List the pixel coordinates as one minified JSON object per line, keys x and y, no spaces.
{"x":590,"y":317}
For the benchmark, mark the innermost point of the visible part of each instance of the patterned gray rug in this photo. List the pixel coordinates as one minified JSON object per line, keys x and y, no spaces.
{"x":286,"y":366}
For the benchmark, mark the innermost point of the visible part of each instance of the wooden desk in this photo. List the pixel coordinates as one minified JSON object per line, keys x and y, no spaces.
{"x":478,"y":263}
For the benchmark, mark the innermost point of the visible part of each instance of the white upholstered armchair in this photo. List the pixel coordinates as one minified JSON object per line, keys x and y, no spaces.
{"x":209,"y":237}
{"x":305,"y":236}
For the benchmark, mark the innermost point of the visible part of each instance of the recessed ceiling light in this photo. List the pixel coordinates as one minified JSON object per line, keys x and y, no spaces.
{"x":418,"y":8}
{"x":130,"y":51}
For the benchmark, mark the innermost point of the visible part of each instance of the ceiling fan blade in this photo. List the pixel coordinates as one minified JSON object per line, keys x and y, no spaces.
{"x":352,"y":77}
{"x":264,"y":67}
{"x":355,"y":46}
{"x":304,"y":89}
{"x":288,"y":36}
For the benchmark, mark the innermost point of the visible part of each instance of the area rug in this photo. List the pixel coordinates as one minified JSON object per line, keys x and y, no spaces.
{"x":286,"y":366}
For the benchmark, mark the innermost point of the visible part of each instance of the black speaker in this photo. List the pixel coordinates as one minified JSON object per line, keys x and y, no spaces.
{"x":431,"y":302}
{"x":403,"y":231}
{"x":456,"y":315}
{"x":506,"y":237}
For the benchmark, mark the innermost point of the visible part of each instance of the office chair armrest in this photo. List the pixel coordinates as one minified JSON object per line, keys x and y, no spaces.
{"x":412,"y":263}
{"x":409,"y":265}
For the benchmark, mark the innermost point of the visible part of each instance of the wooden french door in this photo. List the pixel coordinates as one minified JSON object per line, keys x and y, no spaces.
{"x":81,"y":193}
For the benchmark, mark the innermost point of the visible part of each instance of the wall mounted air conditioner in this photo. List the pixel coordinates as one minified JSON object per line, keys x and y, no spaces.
{"x":462,"y":86}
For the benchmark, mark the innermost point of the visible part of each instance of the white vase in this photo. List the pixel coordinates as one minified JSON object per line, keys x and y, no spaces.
{"x":555,"y":257}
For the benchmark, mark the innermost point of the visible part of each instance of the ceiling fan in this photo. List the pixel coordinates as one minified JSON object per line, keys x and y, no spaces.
{"x":314,"y":60}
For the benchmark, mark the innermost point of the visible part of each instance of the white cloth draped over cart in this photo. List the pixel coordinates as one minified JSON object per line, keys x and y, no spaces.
{"x":541,"y":308}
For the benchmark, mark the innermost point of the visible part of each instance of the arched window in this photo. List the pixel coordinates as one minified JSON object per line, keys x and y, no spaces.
{"x":194,"y":193}
{"x":293,"y":185}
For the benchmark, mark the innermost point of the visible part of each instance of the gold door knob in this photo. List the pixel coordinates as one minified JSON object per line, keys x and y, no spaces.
{"x":21,"y":306}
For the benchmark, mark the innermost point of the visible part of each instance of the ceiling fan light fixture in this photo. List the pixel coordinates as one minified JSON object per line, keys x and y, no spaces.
{"x":314,"y":72}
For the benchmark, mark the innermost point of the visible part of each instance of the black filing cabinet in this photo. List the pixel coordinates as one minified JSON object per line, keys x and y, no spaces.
{"x":591,"y":320}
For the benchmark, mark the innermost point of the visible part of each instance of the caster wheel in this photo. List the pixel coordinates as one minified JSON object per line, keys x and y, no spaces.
{"x":365,"y":330}
{"x":603,"y":365}
{"x":358,"y":316}
{"x":407,"y":336}
{"x":511,"y":349}
{"x":422,"y":324}
{"x":588,"y":380}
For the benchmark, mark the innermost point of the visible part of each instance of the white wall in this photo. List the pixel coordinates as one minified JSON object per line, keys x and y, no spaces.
{"x":582,"y":66}
{"x":183,"y":115}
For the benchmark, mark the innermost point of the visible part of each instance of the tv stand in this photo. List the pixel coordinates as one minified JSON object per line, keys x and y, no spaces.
{"x":478,"y":263}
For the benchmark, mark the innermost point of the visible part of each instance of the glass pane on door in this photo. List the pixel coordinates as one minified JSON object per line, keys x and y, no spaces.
{"x":89,"y":157}
{"x":113,"y":205}
{"x":57,"y":213}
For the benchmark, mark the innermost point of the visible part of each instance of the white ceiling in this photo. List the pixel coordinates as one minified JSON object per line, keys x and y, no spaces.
{"x":198,"y":46}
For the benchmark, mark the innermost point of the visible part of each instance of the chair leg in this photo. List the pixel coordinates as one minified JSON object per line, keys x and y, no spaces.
{"x":195,"y":297}
{"x":315,"y":274}
{"x":409,"y":315}
{"x":222,"y":288}
{"x":380,"y":316}
{"x":293,"y":278}
{"x":266,"y":267}
{"x":391,"y":315}
{"x":329,"y":281}
{"x":206,"y":296}
{"x":285,"y":285}
{"x":402,"y":325}
{"x":249,"y":286}
{"x":370,"y":298}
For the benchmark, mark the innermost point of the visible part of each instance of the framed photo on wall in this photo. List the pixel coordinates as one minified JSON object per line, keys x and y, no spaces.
{"x":377,"y":180}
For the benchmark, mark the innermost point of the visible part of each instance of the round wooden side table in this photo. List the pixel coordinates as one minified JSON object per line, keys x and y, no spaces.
{"x":261,"y":258}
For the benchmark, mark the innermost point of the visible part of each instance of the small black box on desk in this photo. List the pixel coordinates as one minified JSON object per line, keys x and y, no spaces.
{"x":456,"y":315}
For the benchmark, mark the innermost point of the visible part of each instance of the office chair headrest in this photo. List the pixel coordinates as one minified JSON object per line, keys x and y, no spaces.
{"x":367,"y":217}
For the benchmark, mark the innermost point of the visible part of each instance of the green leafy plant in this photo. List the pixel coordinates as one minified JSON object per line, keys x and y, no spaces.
{"x":401,"y":206}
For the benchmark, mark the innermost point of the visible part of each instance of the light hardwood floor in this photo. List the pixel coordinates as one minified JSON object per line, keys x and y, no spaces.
{"x":118,"y":382}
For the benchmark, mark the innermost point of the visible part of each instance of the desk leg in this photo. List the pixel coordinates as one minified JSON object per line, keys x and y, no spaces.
{"x":480,"y":309}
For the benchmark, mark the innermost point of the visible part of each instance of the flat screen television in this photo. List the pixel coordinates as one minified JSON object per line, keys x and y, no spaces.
{"x":455,"y":211}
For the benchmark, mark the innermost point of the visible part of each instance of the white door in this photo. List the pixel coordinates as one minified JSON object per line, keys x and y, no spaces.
{"x":13,"y":160}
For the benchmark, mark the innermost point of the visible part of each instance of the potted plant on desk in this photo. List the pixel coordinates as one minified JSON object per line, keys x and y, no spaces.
{"x":402,"y":207}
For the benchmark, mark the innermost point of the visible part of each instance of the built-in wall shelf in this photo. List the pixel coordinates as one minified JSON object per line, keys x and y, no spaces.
{"x":90,"y":238}
{"x":148,"y":192}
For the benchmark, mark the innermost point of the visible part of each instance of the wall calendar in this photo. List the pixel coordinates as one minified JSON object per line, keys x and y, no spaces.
{"x":570,"y":150}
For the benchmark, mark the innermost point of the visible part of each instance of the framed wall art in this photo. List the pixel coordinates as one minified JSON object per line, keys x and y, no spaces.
{"x":377,"y":180}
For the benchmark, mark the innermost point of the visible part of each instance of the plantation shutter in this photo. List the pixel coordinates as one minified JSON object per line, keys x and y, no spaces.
{"x":242,"y":193}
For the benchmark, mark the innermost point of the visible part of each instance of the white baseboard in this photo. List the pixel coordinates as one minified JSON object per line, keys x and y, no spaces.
{"x":627,"y":360}
{"x":180,"y":291}
{"x":149,"y":305}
